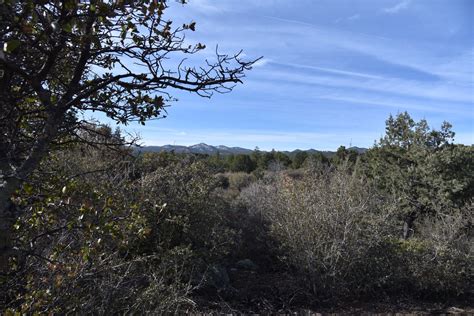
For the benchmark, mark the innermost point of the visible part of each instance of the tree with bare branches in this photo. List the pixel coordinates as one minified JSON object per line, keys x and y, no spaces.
{"x":62,"y":58}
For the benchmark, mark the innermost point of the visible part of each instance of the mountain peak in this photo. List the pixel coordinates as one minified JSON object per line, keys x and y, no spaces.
{"x":200,"y":145}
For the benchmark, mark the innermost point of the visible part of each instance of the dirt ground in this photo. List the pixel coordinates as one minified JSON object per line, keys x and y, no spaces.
{"x":252,"y":293}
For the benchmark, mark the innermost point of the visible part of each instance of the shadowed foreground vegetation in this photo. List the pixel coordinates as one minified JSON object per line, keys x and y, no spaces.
{"x":105,"y":231}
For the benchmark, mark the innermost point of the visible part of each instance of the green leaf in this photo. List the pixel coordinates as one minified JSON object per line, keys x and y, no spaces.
{"x":68,"y":27}
{"x":85,"y":253}
{"x":28,"y":188}
{"x":10,"y":46}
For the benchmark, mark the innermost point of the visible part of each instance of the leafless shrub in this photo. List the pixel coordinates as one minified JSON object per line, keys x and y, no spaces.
{"x":441,"y":255}
{"x":343,"y":236}
{"x":240,"y":180}
{"x":325,"y":222}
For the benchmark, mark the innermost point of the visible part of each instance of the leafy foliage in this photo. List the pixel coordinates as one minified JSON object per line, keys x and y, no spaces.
{"x":421,"y":168}
{"x":104,"y":240}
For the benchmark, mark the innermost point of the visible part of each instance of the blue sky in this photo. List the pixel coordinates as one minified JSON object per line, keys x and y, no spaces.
{"x":332,"y":72}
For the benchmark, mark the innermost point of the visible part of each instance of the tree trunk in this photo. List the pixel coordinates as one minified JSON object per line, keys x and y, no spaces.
{"x":7,"y":219}
{"x":408,"y":224}
{"x":11,"y":180}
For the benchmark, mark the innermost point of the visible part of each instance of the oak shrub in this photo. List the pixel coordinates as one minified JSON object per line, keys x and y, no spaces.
{"x":100,"y":236}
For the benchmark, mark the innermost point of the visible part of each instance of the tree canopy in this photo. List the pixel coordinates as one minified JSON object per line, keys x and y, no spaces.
{"x":60,"y":59}
{"x":422,"y":167}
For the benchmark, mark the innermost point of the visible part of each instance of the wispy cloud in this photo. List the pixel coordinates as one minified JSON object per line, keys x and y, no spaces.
{"x":354,"y":17}
{"x":402,"y":5}
{"x":261,"y":62}
{"x":206,"y":6}
{"x":349,"y":19}
{"x":399,"y":104}
{"x":289,"y":21}
{"x":331,"y":70}
{"x":412,"y":57}
{"x":408,"y":88}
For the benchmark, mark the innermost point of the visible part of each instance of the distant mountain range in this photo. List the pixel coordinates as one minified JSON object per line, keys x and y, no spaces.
{"x":225,"y":150}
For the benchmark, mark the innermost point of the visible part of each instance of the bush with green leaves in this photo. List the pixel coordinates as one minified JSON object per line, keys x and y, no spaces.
{"x":96,"y":239}
{"x":422,"y":169}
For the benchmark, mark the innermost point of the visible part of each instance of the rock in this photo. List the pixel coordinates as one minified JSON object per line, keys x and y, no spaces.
{"x":246,"y":264}
{"x":455,"y":310}
{"x":218,"y":277}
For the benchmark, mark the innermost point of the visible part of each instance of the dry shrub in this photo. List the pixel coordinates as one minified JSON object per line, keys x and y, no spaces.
{"x":327,"y":223}
{"x":441,"y":255}
{"x":240,"y":180}
{"x":344,"y":238}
